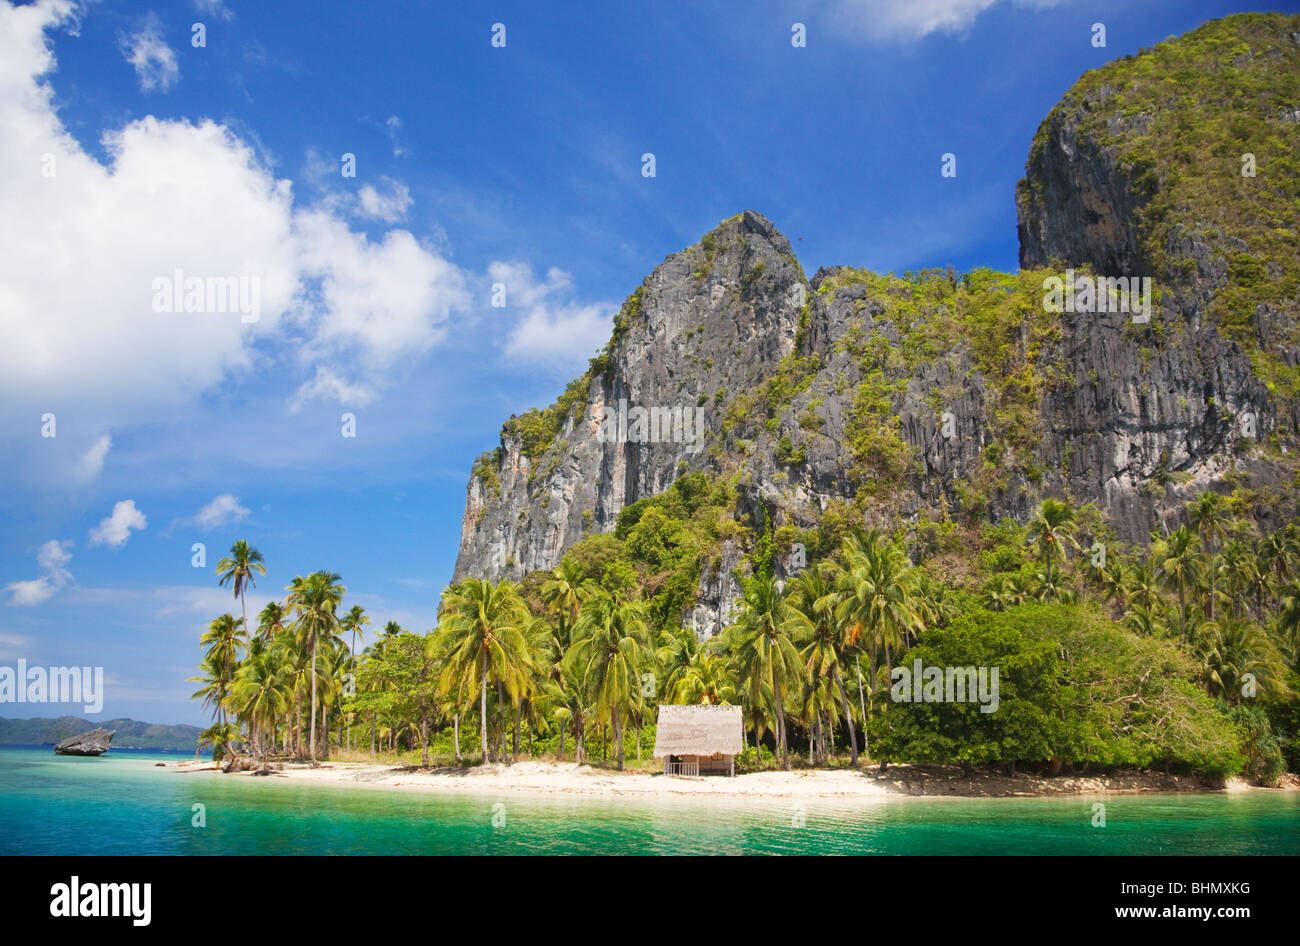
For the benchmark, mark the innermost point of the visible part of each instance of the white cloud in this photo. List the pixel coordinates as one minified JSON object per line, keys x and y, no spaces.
{"x":224,"y":510}
{"x":84,"y":242}
{"x":214,"y":8}
{"x":555,"y":335}
{"x":92,"y":461}
{"x":12,"y":645}
{"x":53,"y":559}
{"x":115,"y":529}
{"x":327,"y":386}
{"x":382,"y":301}
{"x":906,"y":20}
{"x":394,"y":126}
{"x":389,"y":207}
{"x":154,"y":62}
{"x":562,"y":338}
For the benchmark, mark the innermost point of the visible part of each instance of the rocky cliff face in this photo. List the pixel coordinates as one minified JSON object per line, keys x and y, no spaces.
{"x":889,"y":400}
{"x":711,"y":321}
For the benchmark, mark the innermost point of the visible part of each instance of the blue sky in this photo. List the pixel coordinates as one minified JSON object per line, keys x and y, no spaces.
{"x":475,"y":164}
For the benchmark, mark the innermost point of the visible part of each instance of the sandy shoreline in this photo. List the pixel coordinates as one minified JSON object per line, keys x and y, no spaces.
{"x":567,"y":778}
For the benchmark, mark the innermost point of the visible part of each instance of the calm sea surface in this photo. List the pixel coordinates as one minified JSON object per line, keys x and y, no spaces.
{"x":122,"y":804}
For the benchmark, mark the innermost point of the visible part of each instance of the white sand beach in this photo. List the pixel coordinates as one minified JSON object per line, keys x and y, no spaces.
{"x":568,"y":778}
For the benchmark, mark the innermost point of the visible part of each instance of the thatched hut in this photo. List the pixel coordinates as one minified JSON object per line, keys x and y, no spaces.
{"x":695,"y":740}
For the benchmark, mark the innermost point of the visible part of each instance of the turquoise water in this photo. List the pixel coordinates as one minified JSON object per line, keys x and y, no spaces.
{"x":122,"y":804}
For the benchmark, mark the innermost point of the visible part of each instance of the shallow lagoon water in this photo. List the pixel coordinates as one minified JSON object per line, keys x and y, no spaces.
{"x":121,"y":803}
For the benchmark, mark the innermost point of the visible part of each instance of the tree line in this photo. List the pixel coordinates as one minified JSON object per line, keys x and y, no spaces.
{"x":574,"y":658}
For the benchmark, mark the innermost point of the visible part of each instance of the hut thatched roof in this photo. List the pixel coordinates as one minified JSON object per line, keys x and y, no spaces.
{"x":699,"y":730}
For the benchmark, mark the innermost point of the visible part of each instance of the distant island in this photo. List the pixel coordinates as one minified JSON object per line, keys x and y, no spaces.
{"x":131,"y":734}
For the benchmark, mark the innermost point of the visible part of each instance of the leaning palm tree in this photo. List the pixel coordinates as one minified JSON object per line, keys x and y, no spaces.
{"x":315,"y":600}
{"x":764,"y":650}
{"x":1050,"y":530}
{"x":226,"y":641}
{"x":482,"y":628}
{"x":238,"y":569}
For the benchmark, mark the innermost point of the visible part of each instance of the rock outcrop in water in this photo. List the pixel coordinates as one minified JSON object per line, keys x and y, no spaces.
{"x":95,"y":742}
{"x":937,"y":397}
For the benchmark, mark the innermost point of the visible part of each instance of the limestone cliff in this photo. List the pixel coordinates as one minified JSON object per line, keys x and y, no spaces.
{"x":910,"y":400}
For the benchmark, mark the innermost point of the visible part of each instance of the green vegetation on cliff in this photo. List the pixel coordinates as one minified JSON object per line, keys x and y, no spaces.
{"x":1183,"y":120}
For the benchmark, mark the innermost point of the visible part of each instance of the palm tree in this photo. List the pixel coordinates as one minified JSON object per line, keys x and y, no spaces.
{"x":1178,"y":564}
{"x":260,"y":693}
{"x":271,"y":620}
{"x":315,"y":599}
{"x":1208,"y":515}
{"x":607,"y":649}
{"x":876,"y":598}
{"x":226,"y":641}
{"x":1051,"y":529}
{"x":483,"y":629}
{"x":354,"y":621}
{"x":998,"y":593}
{"x":564,"y":593}
{"x":238,"y":568}
{"x":764,"y":650}
{"x":1229,"y":650}
{"x":1142,"y":589}
{"x":703,"y":680}
{"x":826,"y":646}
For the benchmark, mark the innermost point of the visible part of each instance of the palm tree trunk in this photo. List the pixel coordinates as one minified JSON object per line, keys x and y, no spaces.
{"x":848,"y":716}
{"x":618,"y":737}
{"x":780,"y":720}
{"x":482,"y":702}
{"x":313,"y":699}
{"x":456,"y":734}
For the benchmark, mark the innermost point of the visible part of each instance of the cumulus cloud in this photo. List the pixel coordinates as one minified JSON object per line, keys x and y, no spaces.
{"x":224,"y":510}
{"x":85,"y":241}
{"x":154,"y":62}
{"x":562,"y":338}
{"x":554,"y":333}
{"x":52,"y":558}
{"x":905,"y":20}
{"x":390,"y":207}
{"x":116,"y":528}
